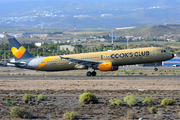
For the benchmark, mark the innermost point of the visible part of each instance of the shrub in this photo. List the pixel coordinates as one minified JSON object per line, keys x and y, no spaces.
{"x":42,"y":97}
{"x":37,"y":90}
{"x":145,"y":74}
{"x":119,"y":102}
{"x":27,"y":97}
{"x":131,"y":100}
{"x":115,"y":101}
{"x":148,"y":100}
{"x":179,"y":114}
{"x":15,"y":111}
{"x":127,"y":73}
{"x":140,"y":73}
{"x":56,"y":90}
{"x":21,"y":113}
{"x":167,"y":101}
{"x":70,"y":115}
{"x":87,"y":98}
{"x":153,"y":110}
{"x":159,"y":113}
{"x":8,"y":101}
{"x":131,"y":115}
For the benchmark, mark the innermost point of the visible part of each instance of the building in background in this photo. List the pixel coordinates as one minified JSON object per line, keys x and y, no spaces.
{"x":2,"y":36}
{"x":175,"y":62}
{"x":70,"y":48}
{"x":38,"y":44}
{"x":18,"y":35}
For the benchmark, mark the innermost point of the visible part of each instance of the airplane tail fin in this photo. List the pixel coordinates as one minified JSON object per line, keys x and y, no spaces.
{"x":18,"y":50}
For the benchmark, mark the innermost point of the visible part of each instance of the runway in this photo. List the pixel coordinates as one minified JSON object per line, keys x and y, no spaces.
{"x":96,"y":95}
{"x":84,"y":77}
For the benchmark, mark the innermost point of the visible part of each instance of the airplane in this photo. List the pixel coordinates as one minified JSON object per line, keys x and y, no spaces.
{"x":102,"y":61}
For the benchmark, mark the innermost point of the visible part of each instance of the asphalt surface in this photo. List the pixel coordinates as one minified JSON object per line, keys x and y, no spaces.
{"x":96,"y":95}
{"x":84,"y":77}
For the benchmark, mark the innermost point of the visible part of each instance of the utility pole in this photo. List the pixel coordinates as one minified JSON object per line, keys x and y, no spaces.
{"x":4,"y":53}
{"x":128,"y":43}
{"x":37,"y":51}
{"x":112,"y":36}
{"x":57,"y":49}
{"x":4,"y":56}
{"x":75,"y":35}
{"x":127,"y":39}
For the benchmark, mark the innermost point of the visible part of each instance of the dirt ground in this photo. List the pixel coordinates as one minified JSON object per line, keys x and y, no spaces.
{"x":120,"y":84}
{"x":54,"y":107}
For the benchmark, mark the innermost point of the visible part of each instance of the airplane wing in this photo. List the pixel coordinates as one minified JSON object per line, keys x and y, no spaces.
{"x":81,"y":61}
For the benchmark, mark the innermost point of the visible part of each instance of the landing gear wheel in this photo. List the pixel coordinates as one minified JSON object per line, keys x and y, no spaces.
{"x":156,"y":69}
{"x":88,"y":73}
{"x":93,"y":73}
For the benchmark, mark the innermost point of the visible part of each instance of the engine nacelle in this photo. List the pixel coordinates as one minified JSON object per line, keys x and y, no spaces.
{"x":107,"y":67}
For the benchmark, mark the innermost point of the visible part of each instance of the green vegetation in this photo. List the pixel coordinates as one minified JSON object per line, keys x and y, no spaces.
{"x":42,"y":97}
{"x":148,"y":100}
{"x":131,"y":115}
{"x":56,"y":89}
{"x":88,"y":98}
{"x":115,"y":101}
{"x":159,"y":113}
{"x":27,"y":97}
{"x":8,"y":101}
{"x":153,"y":110}
{"x":131,"y":100}
{"x":37,"y":90}
{"x":70,"y":115}
{"x":21,"y":113}
{"x":167,"y":101}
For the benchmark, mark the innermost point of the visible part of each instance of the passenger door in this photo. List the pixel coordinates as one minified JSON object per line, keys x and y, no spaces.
{"x":153,"y":52}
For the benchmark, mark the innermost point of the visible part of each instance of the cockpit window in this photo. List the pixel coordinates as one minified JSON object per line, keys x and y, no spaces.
{"x":162,"y":51}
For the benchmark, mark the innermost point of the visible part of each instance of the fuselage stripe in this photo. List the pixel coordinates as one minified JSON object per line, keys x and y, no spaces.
{"x":44,"y":62}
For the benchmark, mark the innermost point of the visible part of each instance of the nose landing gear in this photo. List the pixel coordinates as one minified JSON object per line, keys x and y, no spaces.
{"x":155,"y":69}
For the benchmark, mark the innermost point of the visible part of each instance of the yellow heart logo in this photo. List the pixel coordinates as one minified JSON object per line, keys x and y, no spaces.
{"x":18,"y":53}
{"x":106,"y":56}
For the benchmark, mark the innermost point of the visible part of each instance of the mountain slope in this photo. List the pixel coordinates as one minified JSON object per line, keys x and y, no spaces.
{"x":150,"y":30}
{"x":124,"y":13}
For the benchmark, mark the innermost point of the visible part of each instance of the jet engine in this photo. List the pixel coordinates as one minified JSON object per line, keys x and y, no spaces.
{"x":107,"y":67}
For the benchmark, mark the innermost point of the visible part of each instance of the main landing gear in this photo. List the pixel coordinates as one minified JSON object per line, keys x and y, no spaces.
{"x":91,"y":73}
{"x":155,"y":69}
